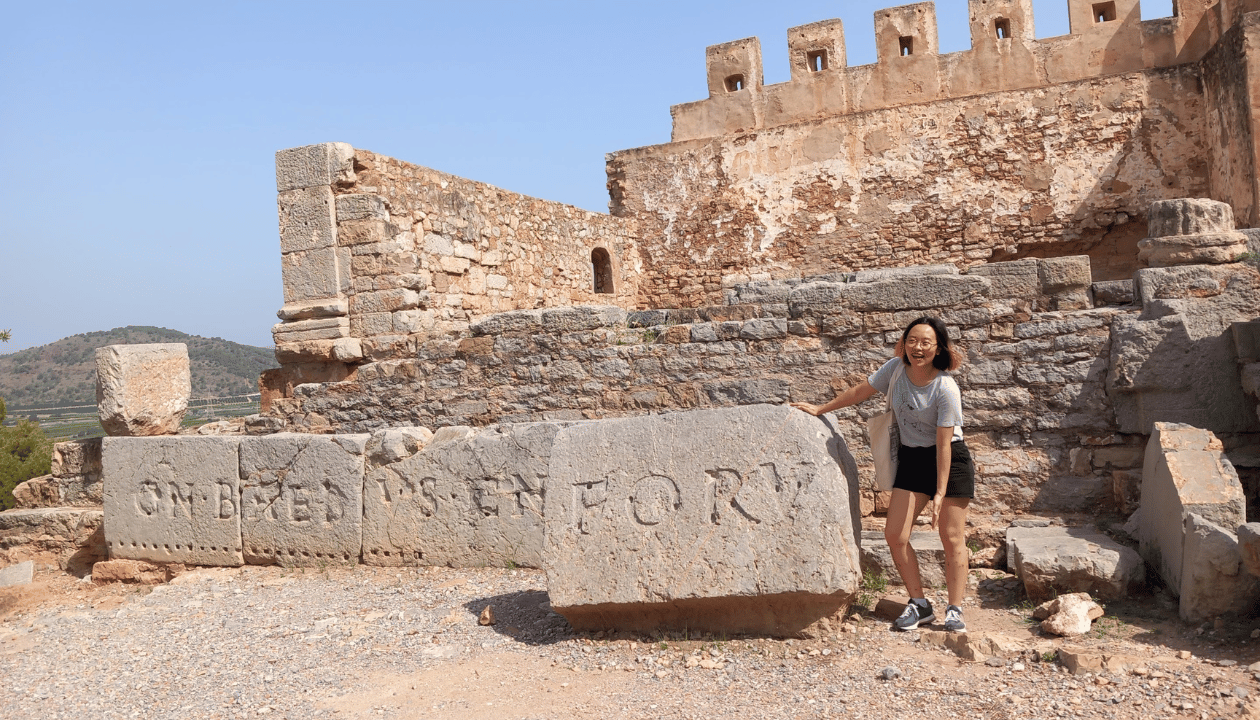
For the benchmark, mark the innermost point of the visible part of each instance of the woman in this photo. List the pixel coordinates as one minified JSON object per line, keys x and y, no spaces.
{"x":934,"y":468}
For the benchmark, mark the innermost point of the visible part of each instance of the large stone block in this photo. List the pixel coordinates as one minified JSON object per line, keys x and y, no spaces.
{"x":173,"y":499}
{"x":76,"y":457}
{"x":142,"y":389}
{"x":928,"y":548}
{"x":311,"y":165}
{"x":735,"y":520}
{"x":302,"y":499}
{"x":1249,"y":546}
{"x":1191,"y":231}
{"x":1059,"y":560}
{"x":307,"y":221}
{"x":465,"y":499}
{"x":313,"y":274}
{"x":1212,"y":579}
{"x":73,"y":536}
{"x":1185,"y":471}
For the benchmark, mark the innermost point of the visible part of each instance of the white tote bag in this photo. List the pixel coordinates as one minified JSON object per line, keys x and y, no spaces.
{"x":885,"y":439}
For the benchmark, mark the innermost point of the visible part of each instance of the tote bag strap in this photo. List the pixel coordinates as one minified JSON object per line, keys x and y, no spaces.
{"x":892,"y":383}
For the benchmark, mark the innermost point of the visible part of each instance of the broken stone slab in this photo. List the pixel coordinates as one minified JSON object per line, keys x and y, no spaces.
{"x":1189,"y":231}
{"x":464,"y":498}
{"x":76,"y":457}
{"x":142,"y":390}
{"x":1053,"y":560}
{"x":20,"y":574}
{"x":911,"y":292}
{"x":732,"y":520}
{"x":1212,"y":579}
{"x":302,"y":499}
{"x":1079,"y":661}
{"x":1185,"y":471}
{"x":134,"y":571}
{"x":173,"y":499}
{"x":927,"y":547}
{"x":1249,"y":546}
{"x":1068,"y":615}
{"x":43,"y":491}
{"x":972,"y":647}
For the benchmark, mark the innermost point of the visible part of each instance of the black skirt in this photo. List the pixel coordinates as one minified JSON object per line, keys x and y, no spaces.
{"x":916,"y":470}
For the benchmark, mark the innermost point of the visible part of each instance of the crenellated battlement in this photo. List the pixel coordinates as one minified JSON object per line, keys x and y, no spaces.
{"x":1106,"y":38}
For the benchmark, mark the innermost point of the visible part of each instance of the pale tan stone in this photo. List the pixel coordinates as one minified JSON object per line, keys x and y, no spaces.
{"x":142,"y":389}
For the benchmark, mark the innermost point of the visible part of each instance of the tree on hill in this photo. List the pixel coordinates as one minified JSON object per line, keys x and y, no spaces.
{"x":24,"y":452}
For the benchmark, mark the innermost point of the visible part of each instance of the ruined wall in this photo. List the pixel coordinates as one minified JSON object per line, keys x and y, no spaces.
{"x":1037,"y":413}
{"x":1228,"y":127}
{"x":1043,"y":172}
{"x":378,"y":254}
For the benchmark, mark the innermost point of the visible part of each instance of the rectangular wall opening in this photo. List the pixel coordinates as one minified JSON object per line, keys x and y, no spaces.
{"x":907,"y":46}
{"x":1104,"y":12}
{"x":816,"y":60}
{"x":734,"y":83}
{"x":1002,"y":27}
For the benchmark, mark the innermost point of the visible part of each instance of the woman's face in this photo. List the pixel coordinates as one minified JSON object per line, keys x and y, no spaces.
{"x":921,"y":346}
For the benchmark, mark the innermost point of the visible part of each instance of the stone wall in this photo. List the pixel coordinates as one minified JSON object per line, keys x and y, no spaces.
{"x":378,"y":255}
{"x":1226,"y":72}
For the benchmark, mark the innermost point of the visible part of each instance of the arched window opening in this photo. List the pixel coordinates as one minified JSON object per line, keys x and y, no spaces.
{"x":601,"y":270}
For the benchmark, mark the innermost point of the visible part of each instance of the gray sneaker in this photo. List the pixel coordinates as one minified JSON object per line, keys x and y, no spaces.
{"x":913,"y":615}
{"x":953,"y":619}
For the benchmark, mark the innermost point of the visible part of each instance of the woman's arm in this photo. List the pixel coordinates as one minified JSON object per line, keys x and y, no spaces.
{"x":852,"y":396}
{"x":944,"y":454}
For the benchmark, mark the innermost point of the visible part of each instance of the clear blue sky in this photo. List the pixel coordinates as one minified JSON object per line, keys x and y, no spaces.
{"x":140,"y":137}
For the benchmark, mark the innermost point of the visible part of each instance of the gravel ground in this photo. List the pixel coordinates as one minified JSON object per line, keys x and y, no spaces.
{"x":405,"y":643}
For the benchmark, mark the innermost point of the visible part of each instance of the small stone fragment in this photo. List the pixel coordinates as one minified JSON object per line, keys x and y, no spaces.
{"x":889,"y":673}
{"x":487,"y":616}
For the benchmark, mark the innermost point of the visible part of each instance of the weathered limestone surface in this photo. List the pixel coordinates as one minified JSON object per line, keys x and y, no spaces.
{"x":465,"y":498}
{"x":1185,"y":472}
{"x":173,"y":499}
{"x":927,"y":547}
{"x":142,"y":389}
{"x":1212,"y":578}
{"x":1061,"y":560}
{"x":72,"y":537}
{"x":19,"y":574}
{"x":42,"y":491}
{"x":1176,"y":362}
{"x":1249,"y":546}
{"x":76,"y":466}
{"x":1190,"y":231}
{"x":734,"y":520}
{"x":1068,"y":615}
{"x":302,"y":499}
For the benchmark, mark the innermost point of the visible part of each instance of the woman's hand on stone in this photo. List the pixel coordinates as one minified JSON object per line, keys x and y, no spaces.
{"x":814,"y":410}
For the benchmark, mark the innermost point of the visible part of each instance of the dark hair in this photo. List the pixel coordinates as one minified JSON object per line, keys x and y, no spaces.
{"x":947,"y":356}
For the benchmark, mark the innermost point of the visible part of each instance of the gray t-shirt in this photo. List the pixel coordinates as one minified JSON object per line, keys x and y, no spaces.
{"x":920,"y":410}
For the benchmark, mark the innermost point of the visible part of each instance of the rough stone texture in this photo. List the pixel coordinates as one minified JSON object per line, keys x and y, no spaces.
{"x":1212,"y":579}
{"x":1249,"y":546}
{"x":1113,"y":292}
{"x":173,"y":499}
{"x":142,"y":389}
{"x":1189,"y":231}
{"x":732,"y":521}
{"x":1185,"y":472}
{"x":927,"y":547}
{"x":133,"y":571}
{"x":19,"y":574}
{"x":1176,"y":362}
{"x":302,"y":499}
{"x":43,"y":491}
{"x":313,"y":165}
{"x":76,"y":457}
{"x":1054,"y":560}
{"x":465,"y":499}
{"x":1068,"y":615}
{"x":972,"y":646}
{"x":73,"y":538}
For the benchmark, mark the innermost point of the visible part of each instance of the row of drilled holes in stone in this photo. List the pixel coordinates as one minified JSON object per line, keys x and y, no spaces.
{"x":253,"y":550}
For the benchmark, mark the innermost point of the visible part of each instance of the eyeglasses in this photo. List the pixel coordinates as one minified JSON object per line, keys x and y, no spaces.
{"x":925,"y":344}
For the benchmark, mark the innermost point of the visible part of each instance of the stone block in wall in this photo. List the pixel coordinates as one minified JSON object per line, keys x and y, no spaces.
{"x":912,"y":292}
{"x":1213,"y":579}
{"x":1060,"y":274}
{"x":313,"y":274}
{"x":76,"y":457}
{"x":1249,"y":546}
{"x":306,"y":219}
{"x":735,"y":520}
{"x":311,"y":165}
{"x":899,"y":273}
{"x":877,"y":557}
{"x":341,"y":350}
{"x":1072,"y":494}
{"x":464,"y":498}
{"x":1057,"y":560}
{"x":173,"y":499}
{"x":582,"y":317}
{"x":764,"y":329}
{"x":1190,"y":231}
{"x":386,"y":301}
{"x":508,"y":323}
{"x":748,"y":392}
{"x":313,"y":329}
{"x":73,"y":535}
{"x":1011,"y":279}
{"x":302,"y":499}
{"x":1185,"y":471}
{"x":1113,"y":292}
{"x":142,"y":389}
{"x":327,"y":307}
{"x":361,"y":206}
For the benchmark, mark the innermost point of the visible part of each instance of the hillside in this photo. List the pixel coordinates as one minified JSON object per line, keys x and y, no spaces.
{"x":64,"y":372}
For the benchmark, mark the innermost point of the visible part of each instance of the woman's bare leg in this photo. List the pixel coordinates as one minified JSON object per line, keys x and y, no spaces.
{"x":902,"y":511}
{"x":953,"y":529}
